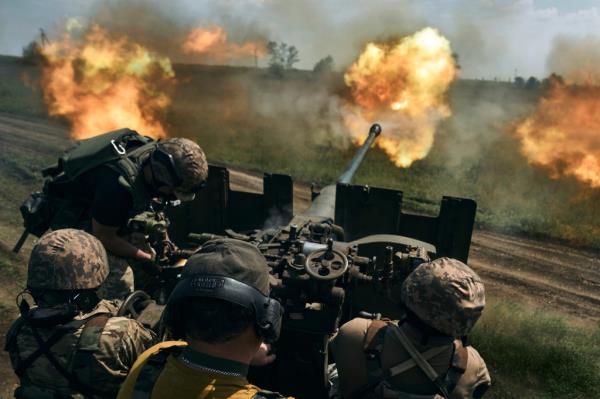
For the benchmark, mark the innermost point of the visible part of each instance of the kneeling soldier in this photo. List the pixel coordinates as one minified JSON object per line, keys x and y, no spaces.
{"x":425,"y":354}
{"x":71,"y":344}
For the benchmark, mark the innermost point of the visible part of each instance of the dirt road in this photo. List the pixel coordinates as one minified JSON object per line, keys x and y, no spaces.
{"x":547,"y":275}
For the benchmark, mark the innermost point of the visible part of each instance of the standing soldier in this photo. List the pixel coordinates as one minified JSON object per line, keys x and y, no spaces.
{"x":71,"y":344}
{"x":425,"y":354}
{"x":100,"y":183}
{"x":222,"y":310}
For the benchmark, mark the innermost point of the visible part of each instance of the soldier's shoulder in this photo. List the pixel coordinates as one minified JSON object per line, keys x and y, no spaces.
{"x":264,"y":394}
{"x":118,"y":328}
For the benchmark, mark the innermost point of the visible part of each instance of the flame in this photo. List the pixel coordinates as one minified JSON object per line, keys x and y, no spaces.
{"x":212,"y":43}
{"x":562,"y":133}
{"x":402,"y":85}
{"x":100,"y":83}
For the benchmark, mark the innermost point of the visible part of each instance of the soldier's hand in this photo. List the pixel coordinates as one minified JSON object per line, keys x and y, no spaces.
{"x":150,"y":265}
{"x":263,"y":356}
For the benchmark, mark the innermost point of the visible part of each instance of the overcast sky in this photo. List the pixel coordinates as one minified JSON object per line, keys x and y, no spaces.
{"x":493,"y":38}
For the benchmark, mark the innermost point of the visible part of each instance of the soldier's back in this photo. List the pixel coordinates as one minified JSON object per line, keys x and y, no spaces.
{"x":92,"y":355}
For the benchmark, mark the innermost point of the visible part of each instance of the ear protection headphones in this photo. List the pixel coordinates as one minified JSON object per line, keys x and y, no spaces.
{"x":268,"y":311}
{"x":163,"y":168}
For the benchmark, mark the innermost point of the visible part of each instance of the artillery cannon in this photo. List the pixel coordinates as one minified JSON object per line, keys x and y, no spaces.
{"x":342,"y":256}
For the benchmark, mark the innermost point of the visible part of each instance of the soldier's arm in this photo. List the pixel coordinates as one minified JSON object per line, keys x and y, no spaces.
{"x":117,"y":245}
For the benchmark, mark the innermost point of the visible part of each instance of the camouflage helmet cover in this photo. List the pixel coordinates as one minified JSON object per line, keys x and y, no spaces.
{"x":190,"y":163}
{"x":445,"y":294}
{"x":67,"y":259}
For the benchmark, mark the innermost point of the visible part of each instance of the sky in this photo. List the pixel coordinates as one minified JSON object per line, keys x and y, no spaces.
{"x":493,"y":38}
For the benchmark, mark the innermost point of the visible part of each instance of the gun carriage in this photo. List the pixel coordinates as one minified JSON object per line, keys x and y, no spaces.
{"x":340,"y":258}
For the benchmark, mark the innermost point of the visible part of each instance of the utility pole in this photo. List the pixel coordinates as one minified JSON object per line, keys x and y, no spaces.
{"x":43,"y":38}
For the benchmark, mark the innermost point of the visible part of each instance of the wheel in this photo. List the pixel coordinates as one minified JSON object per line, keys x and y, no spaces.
{"x":326,"y":264}
{"x":133,"y":304}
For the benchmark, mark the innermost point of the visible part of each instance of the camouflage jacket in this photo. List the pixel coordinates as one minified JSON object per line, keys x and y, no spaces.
{"x":118,"y":345}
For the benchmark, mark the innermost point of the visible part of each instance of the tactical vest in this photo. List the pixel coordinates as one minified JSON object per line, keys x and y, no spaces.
{"x":87,"y":344}
{"x":154,"y":366}
{"x":379,"y":384}
{"x":123,"y":151}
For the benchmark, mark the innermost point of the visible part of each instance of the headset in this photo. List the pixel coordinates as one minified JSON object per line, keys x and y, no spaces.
{"x":163,"y":168}
{"x":268,"y":311}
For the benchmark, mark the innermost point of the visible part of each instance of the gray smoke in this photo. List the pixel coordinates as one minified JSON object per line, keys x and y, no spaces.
{"x":575,"y":58}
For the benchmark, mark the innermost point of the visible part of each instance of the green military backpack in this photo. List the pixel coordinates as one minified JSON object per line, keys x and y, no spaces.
{"x":122,"y":150}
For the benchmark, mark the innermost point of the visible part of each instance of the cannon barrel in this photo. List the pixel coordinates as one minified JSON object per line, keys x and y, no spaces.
{"x":324,"y":204}
{"x":348,"y":174}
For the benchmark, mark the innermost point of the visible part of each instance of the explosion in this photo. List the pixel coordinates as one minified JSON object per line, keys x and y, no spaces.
{"x":562,"y":133}
{"x":100,"y":83}
{"x":212,"y":43}
{"x":403,"y":85}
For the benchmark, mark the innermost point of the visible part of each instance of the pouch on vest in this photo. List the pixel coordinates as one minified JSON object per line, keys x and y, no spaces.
{"x":44,"y":210}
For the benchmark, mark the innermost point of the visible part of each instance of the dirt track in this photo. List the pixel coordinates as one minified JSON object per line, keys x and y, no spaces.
{"x":547,"y":275}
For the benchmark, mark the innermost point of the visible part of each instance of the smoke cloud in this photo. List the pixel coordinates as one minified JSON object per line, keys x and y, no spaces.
{"x":576,"y":58}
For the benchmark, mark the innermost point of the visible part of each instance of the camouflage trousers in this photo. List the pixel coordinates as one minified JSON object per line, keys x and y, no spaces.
{"x":119,"y":283}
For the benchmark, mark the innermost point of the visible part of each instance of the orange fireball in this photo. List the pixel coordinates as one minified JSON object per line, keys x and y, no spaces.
{"x":563,"y":134}
{"x":213,"y":45}
{"x":403,"y":85}
{"x":101,"y":83}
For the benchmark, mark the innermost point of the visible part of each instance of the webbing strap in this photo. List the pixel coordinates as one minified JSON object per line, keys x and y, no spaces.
{"x":45,"y":346}
{"x":74,"y":382}
{"x":410,"y":363}
{"x":144,"y":384}
{"x":419,"y":360}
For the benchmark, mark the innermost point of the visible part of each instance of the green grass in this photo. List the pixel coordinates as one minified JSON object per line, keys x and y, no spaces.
{"x":537,"y":355}
{"x":244,"y":118}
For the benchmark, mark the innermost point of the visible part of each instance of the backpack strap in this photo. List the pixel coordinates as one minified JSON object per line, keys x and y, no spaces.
{"x":88,"y":344}
{"x":43,"y":347}
{"x":373,"y":346}
{"x":144,"y":384}
{"x":421,"y":361}
{"x":458,"y":366}
{"x":74,"y":382}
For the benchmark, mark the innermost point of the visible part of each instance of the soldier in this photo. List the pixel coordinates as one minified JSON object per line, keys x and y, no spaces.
{"x":100,"y":183}
{"x":425,"y":354}
{"x":71,"y":345}
{"x":222,"y":310}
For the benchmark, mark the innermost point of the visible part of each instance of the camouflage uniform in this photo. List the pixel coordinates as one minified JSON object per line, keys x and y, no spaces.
{"x":120,"y":343}
{"x":446,"y":299}
{"x":89,"y":352}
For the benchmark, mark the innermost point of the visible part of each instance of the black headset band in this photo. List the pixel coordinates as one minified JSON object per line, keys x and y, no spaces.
{"x":268,"y":312}
{"x":225,"y":288}
{"x":166,"y":160}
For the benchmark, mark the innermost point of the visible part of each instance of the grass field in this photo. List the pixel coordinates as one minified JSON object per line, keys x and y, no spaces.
{"x":248,"y":119}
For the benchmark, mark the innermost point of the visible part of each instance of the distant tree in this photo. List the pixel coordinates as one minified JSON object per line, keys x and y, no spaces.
{"x":324,"y":66}
{"x":552,"y":79}
{"x":32,"y":53}
{"x":519,"y":82}
{"x":291,"y":57}
{"x":556,"y":78}
{"x":532,"y":83}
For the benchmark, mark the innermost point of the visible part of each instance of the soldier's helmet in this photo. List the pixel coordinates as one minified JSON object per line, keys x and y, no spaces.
{"x":445,"y":294}
{"x":190,"y":169}
{"x":67,"y":259}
